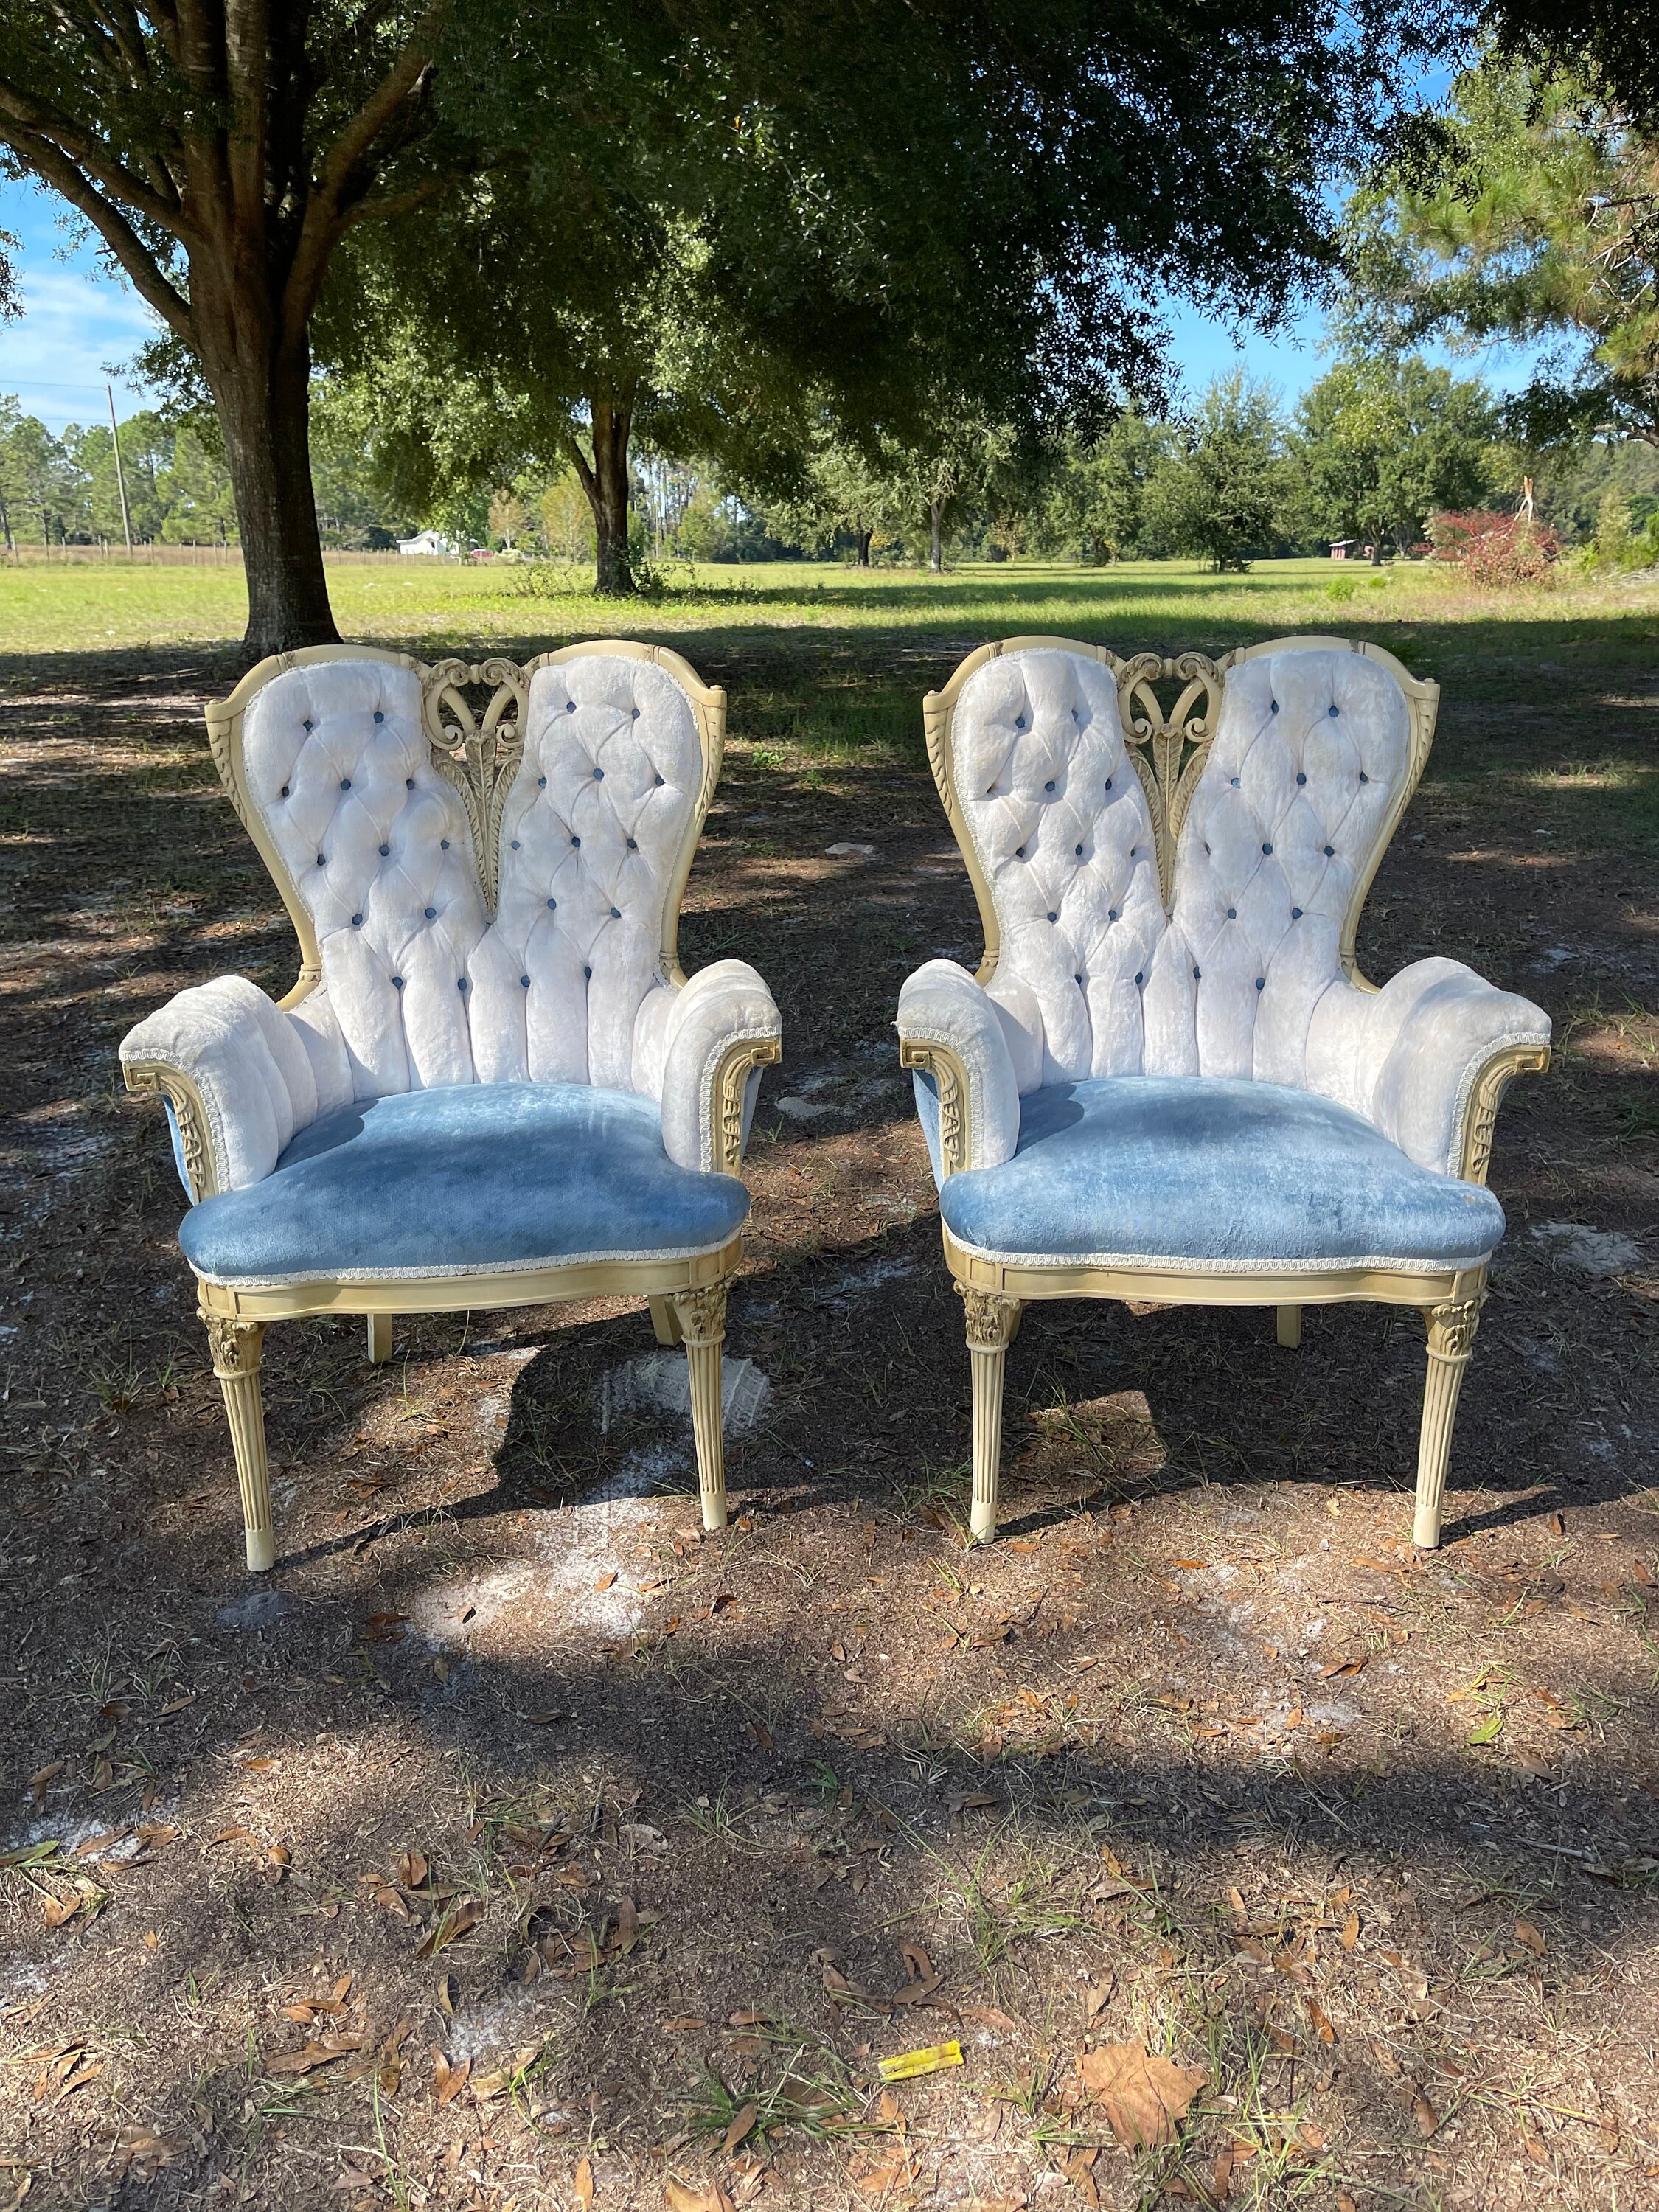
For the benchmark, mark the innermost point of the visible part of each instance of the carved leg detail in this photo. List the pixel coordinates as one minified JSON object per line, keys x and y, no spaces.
{"x":993,"y":1323}
{"x":1290,"y":1327}
{"x":380,"y":1338}
{"x":665,"y":1321}
{"x":701,"y":1318}
{"x":1451,"y":1339}
{"x":236,"y":1350}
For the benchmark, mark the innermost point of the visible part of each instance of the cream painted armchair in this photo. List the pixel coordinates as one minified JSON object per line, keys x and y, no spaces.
{"x":492,"y":1083}
{"x":1167,"y":1080}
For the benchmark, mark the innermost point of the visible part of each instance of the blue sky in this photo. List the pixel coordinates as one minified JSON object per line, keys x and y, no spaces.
{"x":77,"y":318}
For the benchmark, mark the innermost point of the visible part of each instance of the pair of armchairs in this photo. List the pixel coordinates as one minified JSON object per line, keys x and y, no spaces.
{"x":493,"y":1084}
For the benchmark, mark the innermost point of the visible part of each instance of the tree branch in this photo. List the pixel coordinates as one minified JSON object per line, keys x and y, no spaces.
{"x":22,"y":117}
{"x":52,"y":163}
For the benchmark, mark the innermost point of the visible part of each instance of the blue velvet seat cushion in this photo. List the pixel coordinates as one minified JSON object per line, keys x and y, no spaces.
{"x":478,"y":1175}
{"x":1214,"y":1174}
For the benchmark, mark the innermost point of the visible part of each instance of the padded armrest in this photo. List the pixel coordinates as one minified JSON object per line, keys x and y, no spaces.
{"x":1411,"y":1057}
{"x":952,"y":1034}
{"x":699,"y":1050}
{"x":239,"y":1077}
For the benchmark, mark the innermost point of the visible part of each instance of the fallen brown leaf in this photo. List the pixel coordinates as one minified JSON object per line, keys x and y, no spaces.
{"x":1527,"y":1934}
{"x":1146,"y":2097}
{"x":582,"y":2182}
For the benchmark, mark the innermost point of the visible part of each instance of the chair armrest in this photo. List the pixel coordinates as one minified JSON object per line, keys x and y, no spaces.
{"x":237,"y":1075}
{"x":1427,"y":1059}
{"x":699,"y":1049}
{"x":950,"y":1035}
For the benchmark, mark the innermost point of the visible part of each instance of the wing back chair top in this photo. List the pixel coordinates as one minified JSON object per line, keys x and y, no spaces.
{"x":1168,"y":1079}
{"x":492,"y":1083}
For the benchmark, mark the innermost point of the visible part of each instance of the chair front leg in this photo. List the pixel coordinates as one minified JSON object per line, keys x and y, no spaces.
{"x":992,"y":1323}
{"x":380,"y":1339}
{"x":701,"y":1316}
{"x":237,"y":1347}
{"x":665,"y":1321}
{"x":1290,"y":1327}
{"x":1451,"y":1339}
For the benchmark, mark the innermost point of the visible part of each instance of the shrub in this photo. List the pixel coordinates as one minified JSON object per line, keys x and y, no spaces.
{"x":1498,"y":551}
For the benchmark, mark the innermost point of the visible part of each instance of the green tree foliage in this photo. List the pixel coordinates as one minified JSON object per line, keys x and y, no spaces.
{"x":1223,"y":495}
{"x":1381,"y":442}
{"x":1529,"y":210}
{"x":1088,"y":499}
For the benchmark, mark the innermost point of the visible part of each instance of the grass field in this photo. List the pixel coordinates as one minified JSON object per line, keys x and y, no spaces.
{"x":526,"y":1851}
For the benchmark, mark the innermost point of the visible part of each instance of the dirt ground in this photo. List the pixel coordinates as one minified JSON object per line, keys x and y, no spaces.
{"x":513,"y":1846}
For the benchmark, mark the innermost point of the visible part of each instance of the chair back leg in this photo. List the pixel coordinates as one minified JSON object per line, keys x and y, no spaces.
{"x":665,"y":1321}
{"x":701,"y":1318}
{"x":1290,"y":1327}
{"x":237,"y":1347}
{"x":993,"y":1324}
{"x":380,"y":1339}
{"x":1451,"y":1339}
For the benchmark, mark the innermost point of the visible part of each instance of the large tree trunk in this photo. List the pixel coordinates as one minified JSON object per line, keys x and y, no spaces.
{"x":263,"y":402}
{"x":936,"y":537}
{"x":863,"y":537}
{"x":605,"y":481}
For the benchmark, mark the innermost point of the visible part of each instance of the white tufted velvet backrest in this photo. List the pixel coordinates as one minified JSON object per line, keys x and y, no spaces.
{"x":1311,"y":760}
{"x":1063,"y":835}
{"x":427,"y":988}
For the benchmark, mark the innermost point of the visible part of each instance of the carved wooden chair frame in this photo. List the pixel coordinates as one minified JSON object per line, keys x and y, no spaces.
{"x":476,"y":747}
{"x":1168,"y":749}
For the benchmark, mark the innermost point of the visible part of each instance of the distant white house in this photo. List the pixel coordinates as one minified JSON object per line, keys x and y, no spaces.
{"x":427,"y":541}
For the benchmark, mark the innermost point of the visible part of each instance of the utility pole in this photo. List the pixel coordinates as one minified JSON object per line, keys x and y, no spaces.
{"x":120,"y":474}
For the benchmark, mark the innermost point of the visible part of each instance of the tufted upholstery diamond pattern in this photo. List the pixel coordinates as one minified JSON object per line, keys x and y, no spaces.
{"x":427,"y":991}
{"x":1064,"y":837}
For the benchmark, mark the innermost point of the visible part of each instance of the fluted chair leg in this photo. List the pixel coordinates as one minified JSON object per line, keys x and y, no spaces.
{"x":1290,"y":1327}
{"x":665,"y":1321}
{"x":701,"y":1316}
{"x":993,"y":1324}
{"x":380,"y":1338}
{"x":237,"y":1347}
{"x":1451,"y":1339}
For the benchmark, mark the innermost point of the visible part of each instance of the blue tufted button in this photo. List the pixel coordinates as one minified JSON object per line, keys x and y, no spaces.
{"x":1363,"y":778}
{"x":616,"y":914}
{"x":1234,"y":783}
{"x":356,"y":921}
{"x":1077,"y":979}
{"x":1019,"y":721}
{"x":570,"y":707}
{"x":551,"y":904}
{"x":1078,"y":850}
{"x":409,"y":783}
{"x":1300,"y":777}
{"x":432,"y":914}
{"x":1332,"y":712}
{"x":1330,"y":852}
{"x":1275,"y":706}
{"x":588,"y":972}
{"x":282,"y":793}
{"x":1266,"y":848}
{"x":460,"y":982}
{"x":384,"y":851}
{"x":656,"y":779}
{"x":523,"y":982}
{"x":1232,"y":914}
{"x":1049,"y":785}
{"x":633,"y":845}
{"x":345,"y":783}
{"x":307,"y":725}
{"x":443,"y":844}
{"x":397,"y":982}
{"x":541,"y":783}
{"x":1108,"y":783}
{"x":1139,"y":980}
{"x":1111,"y":914}
{"x":321,"y":860}
{"x":379,"y":716}
{"x":575,"y":841}
{"x":515,"y":844}
{"x":598,"y":775}
{"x":635,"y":715}
{"x":1260,"y":982}
{"x":1053,"y":917}
{"x":1195,"y":974}
{"x":1019,"y":852}
{"x":1295,"y":913}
